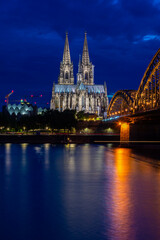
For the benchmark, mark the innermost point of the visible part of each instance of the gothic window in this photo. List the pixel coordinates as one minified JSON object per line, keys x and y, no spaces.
{"x":61,"y":103}
{"x":71,"y":102}
{"x":66,"y":75}
{"x":67,"y":101}
{"x":86,"y":76}
{"x":56,"y":103}
{"x":82,"y":101}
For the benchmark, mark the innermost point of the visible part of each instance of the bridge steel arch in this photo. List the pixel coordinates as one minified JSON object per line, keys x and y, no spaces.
{"x":148,"y":94}
{"x":121,"y":103}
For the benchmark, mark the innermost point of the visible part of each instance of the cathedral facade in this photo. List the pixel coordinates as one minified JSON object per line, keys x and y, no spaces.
{"x":84,"y":95}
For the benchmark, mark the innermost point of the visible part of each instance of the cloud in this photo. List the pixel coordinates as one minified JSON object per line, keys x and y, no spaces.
{"x":120,"y":37}
{"x":151,"y":37}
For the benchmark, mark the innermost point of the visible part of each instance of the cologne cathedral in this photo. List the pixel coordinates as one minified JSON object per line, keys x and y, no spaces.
{"x":84,"y":95}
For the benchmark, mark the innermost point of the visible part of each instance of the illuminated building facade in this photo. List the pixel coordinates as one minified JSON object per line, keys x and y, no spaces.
{"x":20,"y":109}
{"x":24,"y":109}
{"x":84,"y":95}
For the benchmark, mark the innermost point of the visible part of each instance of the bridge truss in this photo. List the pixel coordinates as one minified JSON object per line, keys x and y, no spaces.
{"x":146,"y":98}
{"x":121,"y":103}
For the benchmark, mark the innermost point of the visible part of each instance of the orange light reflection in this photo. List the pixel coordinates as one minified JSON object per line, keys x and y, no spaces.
{"x":121,"y":203}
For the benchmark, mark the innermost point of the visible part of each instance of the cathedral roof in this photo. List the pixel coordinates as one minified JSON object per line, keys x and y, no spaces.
{"x":96,"y":88}
{"x":81,"y":86}
{"x":60,"y":88}
{"x":63,"y":88}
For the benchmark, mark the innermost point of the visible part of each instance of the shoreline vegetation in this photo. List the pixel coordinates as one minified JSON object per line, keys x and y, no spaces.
{"x":53,"y":123}
{"x":70,"y":127}
{"x":56,"y":127}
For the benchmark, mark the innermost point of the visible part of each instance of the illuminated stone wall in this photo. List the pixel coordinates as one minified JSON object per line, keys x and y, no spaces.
{"x":125,"y":132}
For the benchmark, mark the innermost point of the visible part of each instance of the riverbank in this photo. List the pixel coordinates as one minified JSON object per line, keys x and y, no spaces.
{"x":77,"y":139}
{"x":59,"y":138}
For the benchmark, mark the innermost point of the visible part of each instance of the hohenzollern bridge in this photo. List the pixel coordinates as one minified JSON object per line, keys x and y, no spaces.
{"x":146,"y":98}
{"x":138,"y":112}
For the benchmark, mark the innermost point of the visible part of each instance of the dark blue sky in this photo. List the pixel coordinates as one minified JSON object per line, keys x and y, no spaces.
{"x":123,"y":36}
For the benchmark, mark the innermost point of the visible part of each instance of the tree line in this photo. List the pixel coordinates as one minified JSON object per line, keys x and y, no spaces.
{"x":48,"y":120}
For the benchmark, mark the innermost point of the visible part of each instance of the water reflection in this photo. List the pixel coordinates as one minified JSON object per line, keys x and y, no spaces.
{"x":121,"y":204}
{"x":81,"y":200}
{"x":46,"y":157}
{"x":131,"y":196}
{"x":24,"y":148}
{"x":70,"y":156}
{"x":78,"y":192}
{"x":8,"y":157}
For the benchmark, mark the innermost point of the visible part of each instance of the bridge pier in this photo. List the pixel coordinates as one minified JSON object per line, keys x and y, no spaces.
{"x":124,"y":134}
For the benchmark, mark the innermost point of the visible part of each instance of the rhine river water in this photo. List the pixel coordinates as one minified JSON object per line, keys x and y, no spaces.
{"x":79,"y":192}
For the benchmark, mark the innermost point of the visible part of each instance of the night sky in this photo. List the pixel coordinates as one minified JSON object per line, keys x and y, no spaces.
{"x":123,"y":36}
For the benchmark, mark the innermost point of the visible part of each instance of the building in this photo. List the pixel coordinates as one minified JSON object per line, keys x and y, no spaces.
{"x":20,"y":109}
{"x":84,"y":95}
{"x":24,"y":108}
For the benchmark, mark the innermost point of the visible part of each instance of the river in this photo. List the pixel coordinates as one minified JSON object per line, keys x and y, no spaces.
{"x":79,"y":192}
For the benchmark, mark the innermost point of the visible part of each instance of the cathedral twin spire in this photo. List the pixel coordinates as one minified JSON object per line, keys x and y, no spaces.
{"x":66,"y":53}
{"x":85,"y":67}
{"x":85,"y":55}
{"x":66,"y":66}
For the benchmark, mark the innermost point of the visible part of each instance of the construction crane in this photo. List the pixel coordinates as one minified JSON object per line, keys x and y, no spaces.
{"x":32,"y":99}
{"x":7,"y":97}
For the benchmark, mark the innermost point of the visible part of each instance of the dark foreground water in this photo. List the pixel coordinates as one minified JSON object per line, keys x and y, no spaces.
{"x":78,"y":192}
